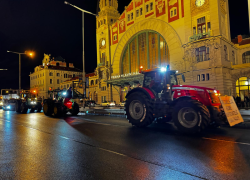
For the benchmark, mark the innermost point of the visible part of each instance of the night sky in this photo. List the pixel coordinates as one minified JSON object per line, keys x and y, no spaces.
{"x":51,"y":27}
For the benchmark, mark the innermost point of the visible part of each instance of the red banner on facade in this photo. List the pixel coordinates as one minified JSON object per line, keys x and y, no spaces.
{"x":122,"y":16}
{"x":160,"y":7}
{"x":173,"y":10}
{"x":122,"y":26}
{"x":138,"y":3}
{"x":130,"y":7}
{"x":115,"y":34}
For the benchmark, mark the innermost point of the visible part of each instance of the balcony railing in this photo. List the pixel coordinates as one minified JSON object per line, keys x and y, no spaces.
{"x":101,"y":64}
{"x":200,"y":36}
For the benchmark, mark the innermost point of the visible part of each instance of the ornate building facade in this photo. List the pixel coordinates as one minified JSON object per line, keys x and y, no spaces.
{"x":192,"y":36}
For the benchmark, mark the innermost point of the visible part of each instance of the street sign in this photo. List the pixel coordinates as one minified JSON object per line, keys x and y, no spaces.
{"x":231,"y":110}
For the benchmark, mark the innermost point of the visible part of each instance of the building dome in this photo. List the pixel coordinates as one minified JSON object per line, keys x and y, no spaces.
{"x":108,"y":3}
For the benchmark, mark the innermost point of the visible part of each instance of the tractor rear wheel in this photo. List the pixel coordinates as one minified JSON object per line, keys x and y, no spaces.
{"x":57,"y":110}
{"x":75,"y":109}
{"x":48,"y":108}
{"x":24,"y":108}
{"x":191,"y":116}
{"x":18,"y":106}
{"x":139,"y":110}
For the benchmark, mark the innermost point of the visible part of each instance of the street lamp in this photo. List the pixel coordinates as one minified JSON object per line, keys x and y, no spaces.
{"x":27,"y":53}
{"x":83,"y":11}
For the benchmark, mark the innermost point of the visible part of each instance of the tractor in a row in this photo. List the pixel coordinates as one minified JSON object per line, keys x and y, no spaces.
{"x":60,"y":103}
{"x":28,"y":100}
{"x":191,"y":108}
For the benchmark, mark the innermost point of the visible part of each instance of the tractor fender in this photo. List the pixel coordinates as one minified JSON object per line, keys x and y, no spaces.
{"x":183,"y":98}
{"x":143,"y":90}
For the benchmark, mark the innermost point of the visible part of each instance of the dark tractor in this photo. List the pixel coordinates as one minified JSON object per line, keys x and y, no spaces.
{"x":29,"y":101}
{"x":191,"y":108}
{"x":60,"y":104}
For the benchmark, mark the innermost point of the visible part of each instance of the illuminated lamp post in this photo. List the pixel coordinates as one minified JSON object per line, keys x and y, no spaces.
{"x":83,"y":11}
{"x":27,"y":53}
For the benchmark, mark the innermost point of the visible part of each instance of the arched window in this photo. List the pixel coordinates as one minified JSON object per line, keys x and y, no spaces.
{"x":96,"y":81}
{"x":242,"y":87}
{"x":246,"y":57}
{"x":225,"y":53}
{"x":92,"y":83}
{"x":148,"y":49}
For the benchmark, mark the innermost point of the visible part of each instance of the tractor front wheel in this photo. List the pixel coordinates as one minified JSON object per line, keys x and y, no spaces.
{"x":39,"y":107}
{"x":75,"y":109}
{"x":139,"y":110}
{"x":18,"y":106}
{"x":191,"y":116}
{"x":24,"y":108}
{"x":48,"y":108}
{"x":57,"y":110}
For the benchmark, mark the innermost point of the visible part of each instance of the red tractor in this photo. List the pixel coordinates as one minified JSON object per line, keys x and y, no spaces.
{"x":191,"y":108}
{"x":60,"y":104}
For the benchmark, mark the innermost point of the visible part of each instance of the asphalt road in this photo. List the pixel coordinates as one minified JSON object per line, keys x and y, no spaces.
{"x":33,"y":146}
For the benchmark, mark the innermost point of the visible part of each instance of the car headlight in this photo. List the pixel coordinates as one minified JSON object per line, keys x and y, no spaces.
{"x":8,"y":107}
{"x":1,"y":103}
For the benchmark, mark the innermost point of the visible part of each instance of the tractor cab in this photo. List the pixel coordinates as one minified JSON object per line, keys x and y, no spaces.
{"x":160,"y":81}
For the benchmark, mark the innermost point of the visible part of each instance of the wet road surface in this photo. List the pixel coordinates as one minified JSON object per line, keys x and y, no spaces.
{"x":33,"y":146}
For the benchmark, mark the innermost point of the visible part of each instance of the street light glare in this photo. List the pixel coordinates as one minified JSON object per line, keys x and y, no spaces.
{"x":65,"y":2}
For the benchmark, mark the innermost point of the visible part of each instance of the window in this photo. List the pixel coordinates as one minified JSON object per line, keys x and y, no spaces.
{"x":141,"y":11}
{"x":201,"y":24}
{"x":246,"y":57}
{"x":104,"y":21}
{"x":51,"y":81}
{"x":233,"y":58}
{"x":98,"y":23}
{"x":67,"y":85}
{"x":194,"y":30}
{"x":198,"y":78}
{"x":58,"y":74}
{"x":58,"y":81}
{"x":202,"y":54}
{"x":101,"y":22}
{"x":38,"y":75}
{"x":74,"y":75}
{"x":50,"y":74}
{"x":129,"y":17}
{"x":147,"y":8}
{"x":172,"y":13}
{"x":225,"y":53}
{"x":151,"y":6}
{"x":132,"y":16}
{"x":207,"y":77}
{"x":96,"y":81}
{"x":115,"y":37}
{"x":111,"y":20}
{"x":208,"y":26}
{"x":175,"y":12}
{"x":110,"y":3}
{"x":203,"y":77}
{"x":65,"y":75}
{"x":137,"y":13}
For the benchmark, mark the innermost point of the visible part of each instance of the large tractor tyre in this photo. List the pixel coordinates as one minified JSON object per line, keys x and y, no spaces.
{"x":24,"y":108}
{"x":39,"y":107}
{"x":48,"y":108}
{"x":57,"y":110}
{"x":191,"y":116}
{"x":75,"y":109}
{"x":139,"y":110}
{"x":18,"y":106}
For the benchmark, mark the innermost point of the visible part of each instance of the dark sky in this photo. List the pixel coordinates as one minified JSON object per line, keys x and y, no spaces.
{"x":51,"y":27}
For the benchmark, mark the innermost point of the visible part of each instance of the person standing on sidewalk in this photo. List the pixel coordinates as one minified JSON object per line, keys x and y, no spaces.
{"x":246,"y":101}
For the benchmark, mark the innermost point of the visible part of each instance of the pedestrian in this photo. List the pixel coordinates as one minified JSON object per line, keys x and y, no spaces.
{"x":238,"y":101}
{"x":246,"y":101}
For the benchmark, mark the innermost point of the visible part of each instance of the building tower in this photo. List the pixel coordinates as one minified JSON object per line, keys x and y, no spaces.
{"x":107,"y":16}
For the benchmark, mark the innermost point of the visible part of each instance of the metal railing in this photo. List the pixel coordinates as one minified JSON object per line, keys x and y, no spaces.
{"x":200,"y":36}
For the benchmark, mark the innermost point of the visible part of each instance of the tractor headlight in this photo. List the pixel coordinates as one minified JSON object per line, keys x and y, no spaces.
{"x":163,"y":69}
{"x":8,"y":107}
{"x":64,"y":93}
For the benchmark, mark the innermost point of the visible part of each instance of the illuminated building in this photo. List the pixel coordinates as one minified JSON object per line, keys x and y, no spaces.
{"x":192,"y":36}
{"x":51,"y":74}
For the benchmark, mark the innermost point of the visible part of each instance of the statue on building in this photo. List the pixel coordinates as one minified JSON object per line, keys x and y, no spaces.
{"x":46,"y":59}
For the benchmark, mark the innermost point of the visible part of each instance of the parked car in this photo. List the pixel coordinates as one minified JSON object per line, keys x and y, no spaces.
{"x":90,"y":103}
{"x":108,"y":104}
{"x":9,"y":105}
{"x":121,"y":104}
